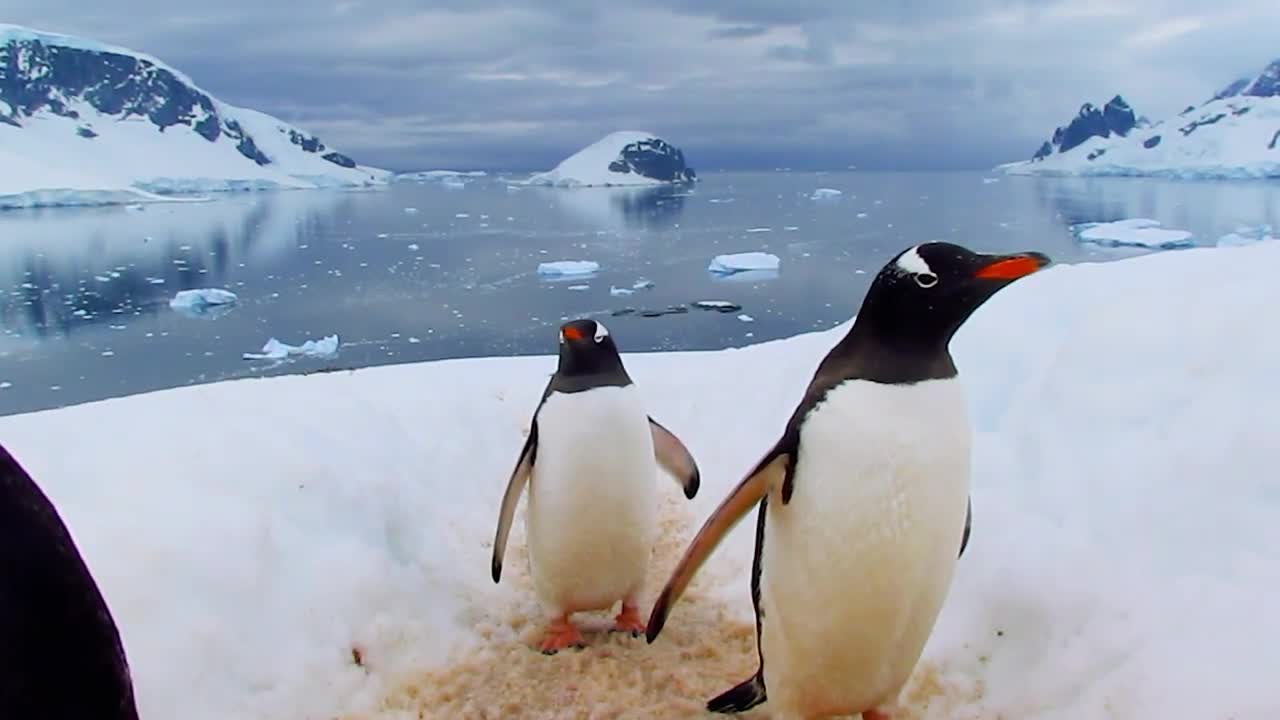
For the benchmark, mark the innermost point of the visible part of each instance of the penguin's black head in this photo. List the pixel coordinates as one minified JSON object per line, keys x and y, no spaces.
{"x":923,"y":295}
{"x":587,"y":348}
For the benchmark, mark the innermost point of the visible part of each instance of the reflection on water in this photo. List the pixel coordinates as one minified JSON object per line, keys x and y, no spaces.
{"x":420,"y":271}
{"x":70,"y":269}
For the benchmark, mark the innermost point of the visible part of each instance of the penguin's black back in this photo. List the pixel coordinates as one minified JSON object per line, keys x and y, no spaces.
{"x":61,"y":657}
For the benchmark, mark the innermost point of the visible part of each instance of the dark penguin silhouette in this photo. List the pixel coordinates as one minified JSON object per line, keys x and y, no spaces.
{"x":61,"y":657}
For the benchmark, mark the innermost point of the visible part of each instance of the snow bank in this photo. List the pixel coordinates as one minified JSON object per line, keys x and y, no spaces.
{"x":744,"y":262}
{"x":1135,"y":232}
{"x":320,"y":548}
{"x":562,"y":268}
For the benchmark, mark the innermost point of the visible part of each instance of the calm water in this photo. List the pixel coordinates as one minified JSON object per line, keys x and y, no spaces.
{"x":425,"y":271}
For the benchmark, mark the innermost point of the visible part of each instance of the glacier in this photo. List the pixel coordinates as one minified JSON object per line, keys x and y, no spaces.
{"x":85,"y":123}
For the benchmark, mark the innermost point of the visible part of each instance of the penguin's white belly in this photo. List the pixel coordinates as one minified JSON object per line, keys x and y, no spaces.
{"x":857,"y":565}
{"x":592,"y":506}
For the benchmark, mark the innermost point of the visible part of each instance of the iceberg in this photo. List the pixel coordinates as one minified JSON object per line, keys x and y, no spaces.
{"x":203,"y":301}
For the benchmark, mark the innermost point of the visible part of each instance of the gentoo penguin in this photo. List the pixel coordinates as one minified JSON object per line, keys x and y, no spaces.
{"x":61,"y":657}
{"x":592,"y":508}
{"x":863,"y":500}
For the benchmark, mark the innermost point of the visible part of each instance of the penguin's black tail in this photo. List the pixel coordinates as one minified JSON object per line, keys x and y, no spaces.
{"x":740,"y":698}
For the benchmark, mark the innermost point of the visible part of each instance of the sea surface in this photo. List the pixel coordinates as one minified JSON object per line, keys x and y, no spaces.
{"x":426,"y":270}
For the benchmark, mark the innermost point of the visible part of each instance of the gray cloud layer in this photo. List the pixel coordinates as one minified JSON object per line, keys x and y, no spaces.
{"x":736,"y":83}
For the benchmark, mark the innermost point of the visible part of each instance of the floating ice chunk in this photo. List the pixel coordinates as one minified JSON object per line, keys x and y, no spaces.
{"x":560,"y":268}
{"x":743,"y":262}
{"x":1134,"y":232}
{"x":642,"y":284}
{"x":721,"y":306}
{"x":746,"y":318}
{"x":579,"y":287}
{"x":759,"y":229}
{"x":411,"y":210}
{"x":989,"y":181}
{"x":276,"y":350}
{"x":825,"y":194}
{"x":202,"y":301}
{"x":5,"y":385}
{"x":1246,"y":235}
{"x":620,"y":291}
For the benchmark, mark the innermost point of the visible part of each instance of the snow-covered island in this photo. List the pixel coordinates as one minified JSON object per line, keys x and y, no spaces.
{"x":84,"y":123}
{"x":1233,"y":135}
{"x":626,"y":157}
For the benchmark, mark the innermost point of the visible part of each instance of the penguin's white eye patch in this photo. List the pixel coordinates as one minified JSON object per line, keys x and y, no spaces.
{"x":926,"y":280}
{"x":601,"y":332}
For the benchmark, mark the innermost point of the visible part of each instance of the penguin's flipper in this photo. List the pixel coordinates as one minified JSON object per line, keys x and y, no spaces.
{"x":767,"y":476}
{"x":968,"y":522}
{"x":675,"y":458}
{"x":511,"y":498}
{"x":739,"y":698}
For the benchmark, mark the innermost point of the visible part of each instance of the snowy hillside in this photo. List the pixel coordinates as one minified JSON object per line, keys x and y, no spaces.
{"x":87,"y":123}
{"x":319,"y":546}
{"x":1236,"y":134}
{"x":622,"y":158}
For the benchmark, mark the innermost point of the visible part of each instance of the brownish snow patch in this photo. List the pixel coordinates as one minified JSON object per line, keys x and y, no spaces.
{"x":704,"y":649}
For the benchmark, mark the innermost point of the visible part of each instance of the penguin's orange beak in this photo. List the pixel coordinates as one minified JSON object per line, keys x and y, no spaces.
{"x":572,"y":333}
{"x":1012,"y":267}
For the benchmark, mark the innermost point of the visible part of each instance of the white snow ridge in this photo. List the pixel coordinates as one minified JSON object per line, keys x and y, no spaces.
{"x":319,"y":546}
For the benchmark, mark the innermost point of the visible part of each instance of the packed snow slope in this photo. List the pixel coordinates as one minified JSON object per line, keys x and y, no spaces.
{"x":318,"y":547}
{"x":86,"y":123}
{"x":1235,"y":134}
{"x":626,"y":157}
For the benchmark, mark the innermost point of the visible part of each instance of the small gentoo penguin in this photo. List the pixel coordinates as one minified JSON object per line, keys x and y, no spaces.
{"x":863,"y":500}
{"x":592,"y":508}
{"x":61,"y":657}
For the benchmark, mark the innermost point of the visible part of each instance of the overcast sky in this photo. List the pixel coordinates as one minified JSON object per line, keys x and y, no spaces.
{"x":735,"y":83}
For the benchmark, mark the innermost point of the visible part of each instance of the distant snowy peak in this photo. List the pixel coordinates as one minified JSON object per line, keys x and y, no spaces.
{"x":1264,"y":84}
{"x":1234,"y":135}
{"x":1115,"y":118}
{"x":64,"y":98}
{"x":621,"y":158}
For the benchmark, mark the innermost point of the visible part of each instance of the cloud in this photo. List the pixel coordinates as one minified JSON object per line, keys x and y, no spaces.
{"x":736,"y":83}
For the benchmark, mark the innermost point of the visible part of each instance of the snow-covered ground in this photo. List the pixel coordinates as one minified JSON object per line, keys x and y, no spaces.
{"x":319,"y":546}
{"x":47,"y":161}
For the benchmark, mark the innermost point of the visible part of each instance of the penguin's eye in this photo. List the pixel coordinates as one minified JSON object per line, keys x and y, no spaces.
{"x":926,"y":280}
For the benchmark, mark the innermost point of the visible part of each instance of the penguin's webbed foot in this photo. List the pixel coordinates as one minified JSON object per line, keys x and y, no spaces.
{"x":877,"y":714}
{"x":561,"y":634}
{"x":629,"y":620}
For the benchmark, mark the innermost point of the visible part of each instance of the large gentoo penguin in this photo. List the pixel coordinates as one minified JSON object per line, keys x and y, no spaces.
{"x":61,"y":657}
{"x":864,"y":499}
{"x":592,"y":509}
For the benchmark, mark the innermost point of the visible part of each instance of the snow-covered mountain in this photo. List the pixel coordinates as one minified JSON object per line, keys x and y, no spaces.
{"x":86,"y":123}
{"x":1234,"y":134}
{"x":627,"y":157}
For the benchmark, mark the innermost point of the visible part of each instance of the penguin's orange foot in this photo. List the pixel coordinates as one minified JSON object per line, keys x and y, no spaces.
{"x":629,"y":620}
{"x":877,"y":715}
{"x":561,"y":634}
